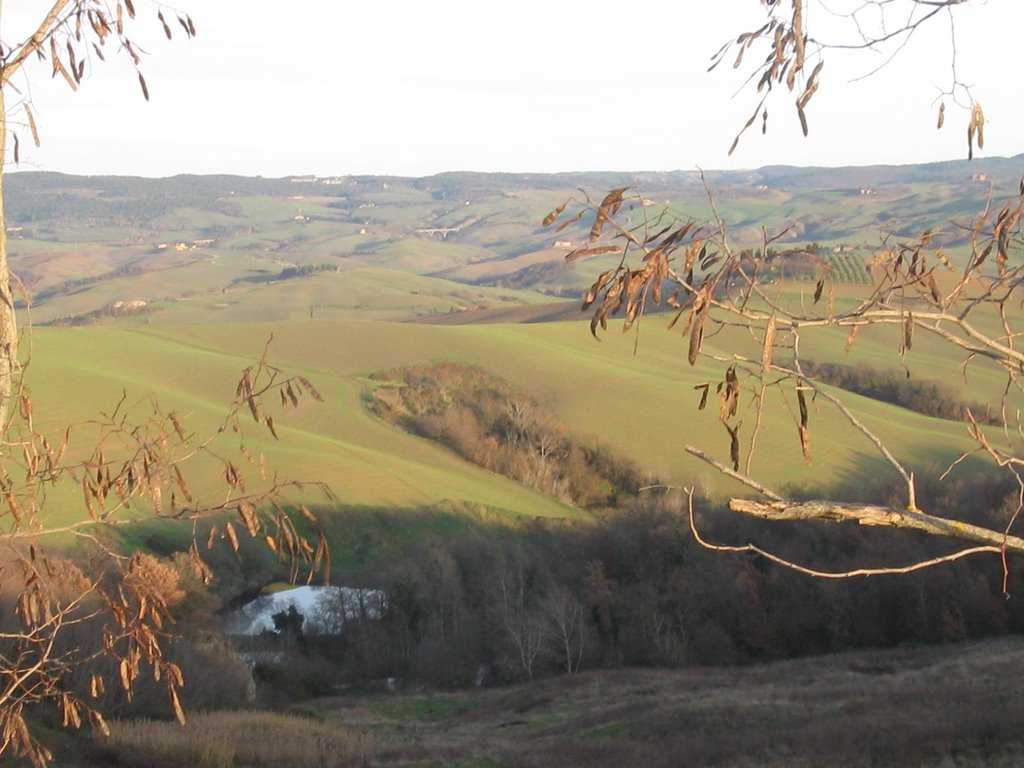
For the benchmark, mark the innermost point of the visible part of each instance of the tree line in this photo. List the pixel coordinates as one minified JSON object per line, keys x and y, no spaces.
{"x":497,"y":602}
{"x":930,"y":398}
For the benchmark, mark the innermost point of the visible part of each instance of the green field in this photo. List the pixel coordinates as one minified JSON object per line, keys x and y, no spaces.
{"x":643,"y":406}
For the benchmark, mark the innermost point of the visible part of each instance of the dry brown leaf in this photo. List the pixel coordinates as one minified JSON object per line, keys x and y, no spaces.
{"x":179,"y":713}
{"x":569,"y":222}
{"x":805,"y":442}
{"x":167,"y":29}
{"x":181,"y":483}
{"x":769,"y":346}
{"x":696,"y":338}
{"x":609,"y":207}
{"x":550,"y":218}
{"x":580,"y":253}
{"x":734,"y":445}
{"x":805,"y":433}
{"x":729,"y":395}
{"x":705,"y":389}
{"x":313,"y":391}
{"x":32,"y":125}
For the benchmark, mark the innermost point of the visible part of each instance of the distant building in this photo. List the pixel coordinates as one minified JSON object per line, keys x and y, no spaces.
{"x":563,"y":243}
{"x":131,"y":304}
{"x":979,"y":177}
{"x":325,"y":610}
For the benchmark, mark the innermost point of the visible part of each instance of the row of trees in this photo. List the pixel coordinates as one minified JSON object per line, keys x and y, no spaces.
{"x":931,"y":398}
{"x":498,"y":603}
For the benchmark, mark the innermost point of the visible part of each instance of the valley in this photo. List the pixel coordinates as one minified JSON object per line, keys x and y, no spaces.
{"x":511,"y":475}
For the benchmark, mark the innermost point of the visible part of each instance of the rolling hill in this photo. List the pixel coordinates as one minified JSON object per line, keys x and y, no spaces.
{"x":167,"y":288}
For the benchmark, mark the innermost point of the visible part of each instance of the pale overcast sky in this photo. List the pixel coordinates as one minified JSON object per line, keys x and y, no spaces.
{"x":415,"y":87}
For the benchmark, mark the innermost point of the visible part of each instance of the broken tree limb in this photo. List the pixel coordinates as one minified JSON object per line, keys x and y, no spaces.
{"x":730,"y":472}
{"x":866,"y":514}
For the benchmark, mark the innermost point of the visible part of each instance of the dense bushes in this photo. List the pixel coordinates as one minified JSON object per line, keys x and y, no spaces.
{"x":930,"y":398}
{"x":289,"y":273}
{"x":479,"y":417}
{"x":500,"y":603}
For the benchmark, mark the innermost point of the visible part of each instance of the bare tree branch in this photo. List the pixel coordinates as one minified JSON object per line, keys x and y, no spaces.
{"x":866,"y":514}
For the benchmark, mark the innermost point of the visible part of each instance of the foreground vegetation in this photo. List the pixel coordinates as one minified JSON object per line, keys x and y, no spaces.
{"x":908,"y":708}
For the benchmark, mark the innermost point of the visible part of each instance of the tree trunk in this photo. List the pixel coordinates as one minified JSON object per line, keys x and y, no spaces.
{"x":8,"y":322}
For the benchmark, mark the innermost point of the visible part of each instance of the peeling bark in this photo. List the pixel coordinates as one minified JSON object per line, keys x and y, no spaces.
{"x":867,"y":514}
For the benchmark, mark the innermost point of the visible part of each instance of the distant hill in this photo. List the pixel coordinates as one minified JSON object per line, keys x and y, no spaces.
{"x":83,"y":244}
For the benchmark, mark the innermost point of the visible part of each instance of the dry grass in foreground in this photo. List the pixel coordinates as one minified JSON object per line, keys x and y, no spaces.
{"x":948,"y":706}
{"x":226,"y":739}
{"x":945,"y":707}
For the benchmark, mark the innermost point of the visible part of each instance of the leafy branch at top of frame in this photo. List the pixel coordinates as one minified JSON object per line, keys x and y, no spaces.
{"x":75,"y":33}
{"x":783,"y":49}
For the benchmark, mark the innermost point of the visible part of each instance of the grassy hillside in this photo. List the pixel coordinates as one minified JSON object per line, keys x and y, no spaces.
{"x":641,"y":405}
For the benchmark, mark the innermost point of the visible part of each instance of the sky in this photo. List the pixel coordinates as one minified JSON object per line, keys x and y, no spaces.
{"x":416,"y":87}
